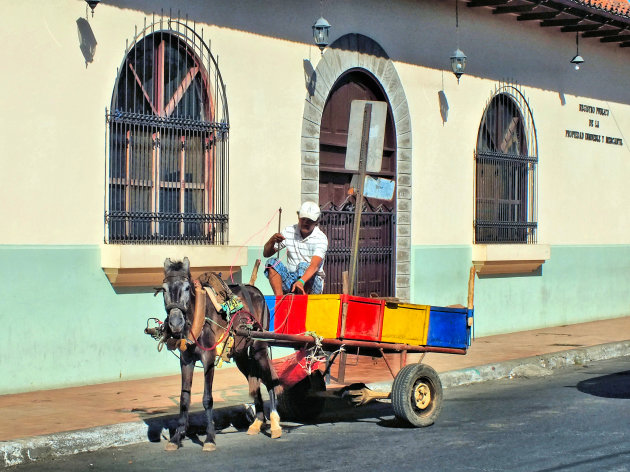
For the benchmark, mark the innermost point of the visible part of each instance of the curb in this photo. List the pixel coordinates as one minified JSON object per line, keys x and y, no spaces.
{"x":22,"y":451}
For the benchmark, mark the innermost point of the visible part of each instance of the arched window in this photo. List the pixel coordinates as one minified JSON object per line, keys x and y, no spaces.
{"x":168,"y":154}
{"x":506,"y":158}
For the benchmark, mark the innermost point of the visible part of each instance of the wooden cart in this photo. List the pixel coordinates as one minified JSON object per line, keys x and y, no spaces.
{"x":374,"y":327}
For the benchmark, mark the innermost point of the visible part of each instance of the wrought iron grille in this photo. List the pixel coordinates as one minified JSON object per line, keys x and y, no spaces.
{"x":506,"y":160}
{"x":375,"y":257}
{"x":168,"y":126}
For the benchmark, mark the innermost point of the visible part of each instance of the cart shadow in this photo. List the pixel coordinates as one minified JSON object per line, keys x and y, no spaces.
{"x":615,"y":385}
{"x":231,"y":420}
{"x":340,"y":411}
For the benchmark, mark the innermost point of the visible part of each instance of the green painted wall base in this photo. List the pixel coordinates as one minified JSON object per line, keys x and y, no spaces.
{"x":64,"y":325}
{"x":578,"y":284}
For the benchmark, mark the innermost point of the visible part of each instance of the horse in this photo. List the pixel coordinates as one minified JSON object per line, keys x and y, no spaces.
{"x":251,"y":356}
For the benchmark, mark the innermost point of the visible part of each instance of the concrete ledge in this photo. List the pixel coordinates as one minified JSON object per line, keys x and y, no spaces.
{"x":509,"y":258}
{"x":143,"y":265}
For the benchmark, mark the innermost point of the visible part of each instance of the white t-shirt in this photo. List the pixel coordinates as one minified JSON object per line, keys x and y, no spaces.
{"x":303,"y":249}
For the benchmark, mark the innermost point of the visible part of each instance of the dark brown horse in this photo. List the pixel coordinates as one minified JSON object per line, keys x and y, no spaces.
{"x":251,"y":357}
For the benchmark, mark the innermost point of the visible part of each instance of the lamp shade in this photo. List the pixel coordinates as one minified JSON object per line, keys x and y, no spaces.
{"x":92,"y":4}
{"x":321,"y":29}
{"x":577,"y":60}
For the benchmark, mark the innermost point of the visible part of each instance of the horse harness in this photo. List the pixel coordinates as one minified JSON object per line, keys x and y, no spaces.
{"x":226,"y":303}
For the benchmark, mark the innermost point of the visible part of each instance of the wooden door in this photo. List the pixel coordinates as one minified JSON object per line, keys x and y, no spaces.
{"x":375,"y":272}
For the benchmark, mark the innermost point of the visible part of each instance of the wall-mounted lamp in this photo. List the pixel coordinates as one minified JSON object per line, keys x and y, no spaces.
{"x":92,"y":4}
{"x":321,"y":29}
{"x":577,"y":59}
{"x":458,"y":58}
{"x":458,"y":63}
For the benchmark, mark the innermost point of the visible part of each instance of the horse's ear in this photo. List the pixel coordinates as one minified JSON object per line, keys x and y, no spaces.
{"x":186,"y":264}
{"x":167,"y":263}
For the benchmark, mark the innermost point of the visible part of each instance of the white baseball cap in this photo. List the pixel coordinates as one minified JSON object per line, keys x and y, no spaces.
{"x":309,"y":210}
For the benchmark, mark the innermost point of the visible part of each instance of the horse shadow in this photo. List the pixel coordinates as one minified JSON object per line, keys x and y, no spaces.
{"x":615,"y":385}
{"x":236,"y":419}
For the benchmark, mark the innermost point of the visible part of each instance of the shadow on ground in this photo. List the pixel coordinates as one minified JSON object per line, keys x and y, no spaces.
{"x":608,"y":386}
{"x":239,"y":417}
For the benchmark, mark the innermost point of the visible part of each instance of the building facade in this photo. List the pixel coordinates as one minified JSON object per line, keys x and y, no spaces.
{"x":157,"y":129}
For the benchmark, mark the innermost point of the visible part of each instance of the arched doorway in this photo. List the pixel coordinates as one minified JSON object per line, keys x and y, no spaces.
{"x":376,"y":261}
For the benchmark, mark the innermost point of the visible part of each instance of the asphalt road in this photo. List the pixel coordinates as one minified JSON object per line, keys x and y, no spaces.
{"x":577,"y":419}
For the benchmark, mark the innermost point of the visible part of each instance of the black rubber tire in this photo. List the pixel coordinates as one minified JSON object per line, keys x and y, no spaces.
{"x":409,"y":379}
{"x":297,"y":402}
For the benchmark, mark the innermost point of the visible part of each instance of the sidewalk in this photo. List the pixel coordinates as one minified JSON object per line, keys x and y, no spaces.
{"x":63,"y":421}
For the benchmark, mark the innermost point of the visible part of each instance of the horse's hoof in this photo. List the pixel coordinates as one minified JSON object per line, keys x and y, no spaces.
{"x":254,"y":428}
{"x":209,"y":447}
{"x":276,"y":429}
{"x":171,"y":446}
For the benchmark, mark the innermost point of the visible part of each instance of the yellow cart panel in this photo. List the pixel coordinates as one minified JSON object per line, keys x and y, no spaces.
{"x":405,"y":323}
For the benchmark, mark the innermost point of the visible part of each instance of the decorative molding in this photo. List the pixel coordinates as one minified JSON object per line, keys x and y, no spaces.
{"x":143,"y":265}
{"x":355,"y":51}
{"x":491,"y":259}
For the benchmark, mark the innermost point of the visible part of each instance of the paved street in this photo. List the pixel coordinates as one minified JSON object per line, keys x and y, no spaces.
{"x":573,"y":420}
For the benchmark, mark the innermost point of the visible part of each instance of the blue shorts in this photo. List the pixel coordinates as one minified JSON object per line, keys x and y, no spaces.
{"x":314,"y":286}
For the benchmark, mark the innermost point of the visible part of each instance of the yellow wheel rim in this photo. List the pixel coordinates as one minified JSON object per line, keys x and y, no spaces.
{"x":422,"y":395}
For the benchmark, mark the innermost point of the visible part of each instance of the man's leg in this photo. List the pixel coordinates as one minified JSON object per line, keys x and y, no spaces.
{"x":275,"y":281}
{"x":278,"y":276}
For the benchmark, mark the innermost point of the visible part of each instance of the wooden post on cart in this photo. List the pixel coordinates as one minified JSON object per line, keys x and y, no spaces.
{"x":365,"y":136}
{"x":370,"y":155}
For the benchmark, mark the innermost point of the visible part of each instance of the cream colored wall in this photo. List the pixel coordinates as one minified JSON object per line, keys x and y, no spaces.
{"x":52,"y":126}
{"x":52,"y":123}
{"x":582,"y":185}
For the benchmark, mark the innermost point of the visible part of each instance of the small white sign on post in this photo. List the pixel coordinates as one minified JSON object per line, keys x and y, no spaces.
{"x":376,"y":136}
{"x":380,"y":188}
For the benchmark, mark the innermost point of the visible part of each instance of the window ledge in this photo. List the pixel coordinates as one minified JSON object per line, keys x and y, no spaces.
{"x":143,"y":265}
{"x":509,"y":258}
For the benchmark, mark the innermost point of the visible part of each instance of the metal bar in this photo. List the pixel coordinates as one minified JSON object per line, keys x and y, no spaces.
{"x":303,"y":339}
{"x":389,"y":367}
{"x":180,"y":91}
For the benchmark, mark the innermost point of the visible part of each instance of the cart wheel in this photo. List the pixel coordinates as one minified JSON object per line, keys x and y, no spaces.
{"x":297,"y":403}
{"x":417,"y":395}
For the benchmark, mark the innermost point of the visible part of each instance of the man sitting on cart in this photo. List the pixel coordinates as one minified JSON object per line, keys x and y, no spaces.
{"x":306,"y":248}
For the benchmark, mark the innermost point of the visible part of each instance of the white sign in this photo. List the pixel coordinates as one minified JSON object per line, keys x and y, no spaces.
{"x":376,"y":136}
{"x":380,"y":188}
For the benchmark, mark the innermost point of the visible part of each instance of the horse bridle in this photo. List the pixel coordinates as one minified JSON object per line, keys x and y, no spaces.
{"x":183,"y":308}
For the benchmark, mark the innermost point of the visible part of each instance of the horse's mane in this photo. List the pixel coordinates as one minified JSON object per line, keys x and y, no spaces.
{"x":176,"y":269}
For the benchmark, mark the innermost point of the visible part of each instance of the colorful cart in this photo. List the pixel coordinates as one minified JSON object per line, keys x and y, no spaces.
{"x":334,"y":324}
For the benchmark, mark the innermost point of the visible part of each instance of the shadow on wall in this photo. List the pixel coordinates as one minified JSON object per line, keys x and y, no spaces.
{"x":443,"y":106}
{"x":87,"y":40}
{"x":310,"y":77}
{"x":421,"y":33}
